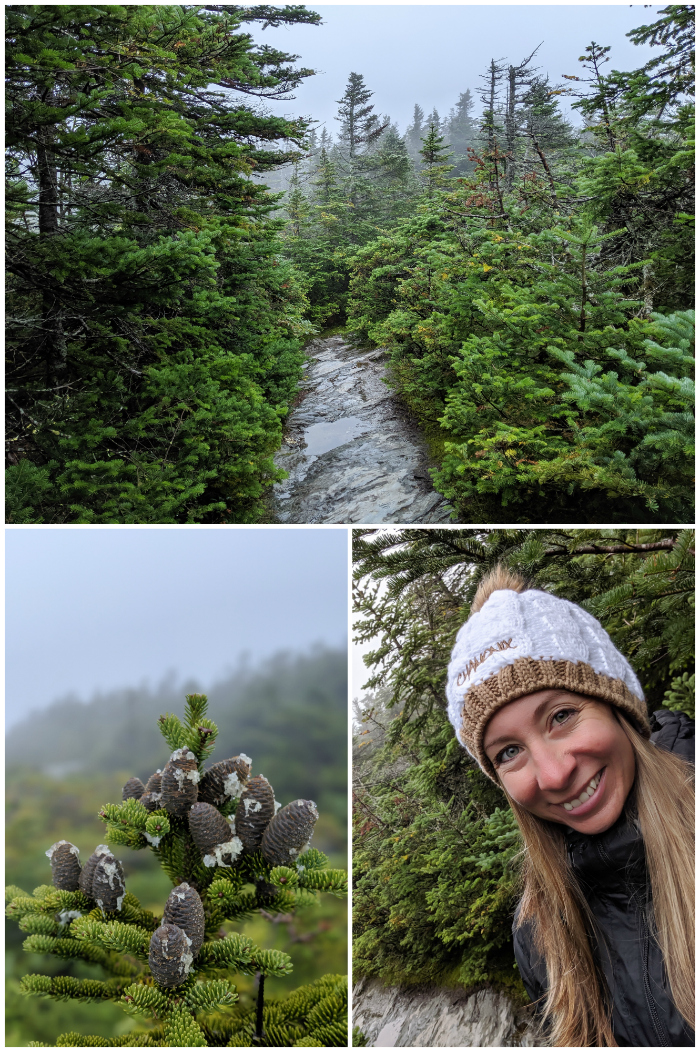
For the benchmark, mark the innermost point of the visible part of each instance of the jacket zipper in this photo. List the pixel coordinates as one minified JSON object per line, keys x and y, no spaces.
{"x":647,"y":986}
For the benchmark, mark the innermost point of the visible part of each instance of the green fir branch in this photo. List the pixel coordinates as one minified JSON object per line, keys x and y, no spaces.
{"x":66,"y":988}
{"x":182,"y":1031}
{"x":113,"y":935}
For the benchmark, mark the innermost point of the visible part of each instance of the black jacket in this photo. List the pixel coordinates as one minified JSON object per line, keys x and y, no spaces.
{"x":611,"y":870}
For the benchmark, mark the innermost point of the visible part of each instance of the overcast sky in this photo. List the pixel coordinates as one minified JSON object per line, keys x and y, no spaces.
{"x":99,"y":608}
{"x":429,"y":54}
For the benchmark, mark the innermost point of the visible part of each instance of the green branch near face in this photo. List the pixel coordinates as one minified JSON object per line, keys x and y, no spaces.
{"x":174,"y":971}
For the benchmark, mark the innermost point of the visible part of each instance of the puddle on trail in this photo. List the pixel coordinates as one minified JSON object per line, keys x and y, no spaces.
{"x":320,"y":438}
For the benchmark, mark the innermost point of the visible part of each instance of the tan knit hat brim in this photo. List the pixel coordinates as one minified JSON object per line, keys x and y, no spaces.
{"x":529,"y":675}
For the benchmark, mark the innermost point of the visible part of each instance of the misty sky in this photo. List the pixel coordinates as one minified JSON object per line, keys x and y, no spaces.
{"x":430,"y":53}
{"x":100,"y":608}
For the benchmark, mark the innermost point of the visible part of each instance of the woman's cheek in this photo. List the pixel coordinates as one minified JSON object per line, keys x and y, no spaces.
{"x":520,"y":786}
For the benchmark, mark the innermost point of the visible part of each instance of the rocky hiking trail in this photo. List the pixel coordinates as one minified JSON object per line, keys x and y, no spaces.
{"x":351,"y":451}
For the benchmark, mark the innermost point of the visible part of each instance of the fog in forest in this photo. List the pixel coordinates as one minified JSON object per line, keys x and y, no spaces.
{"x":97,"y":610}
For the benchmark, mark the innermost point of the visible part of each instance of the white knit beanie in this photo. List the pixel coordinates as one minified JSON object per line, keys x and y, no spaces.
{"x":520,"y":642}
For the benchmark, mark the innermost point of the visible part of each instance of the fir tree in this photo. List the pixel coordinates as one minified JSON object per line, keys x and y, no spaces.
{"x":154,"y":332}
{"x":296,"y":204}
{"x":434,"y":155}
{"x":415,"y":132}
{"x":230,"y":851}
{"x":640,"y":184}
{"x":517,"y":77}
{"x":360,"y":127}
{"x":460,"y":131}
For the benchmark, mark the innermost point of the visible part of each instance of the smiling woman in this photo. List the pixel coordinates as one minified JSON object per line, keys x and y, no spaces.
{"x":568,"y":759}
{"x":604,"y":931}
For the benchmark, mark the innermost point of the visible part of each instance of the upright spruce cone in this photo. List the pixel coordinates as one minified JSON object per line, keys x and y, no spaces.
{"x":133,"y":790}
{"x":255,"y":809}
{"x":225,"y":780}
{"x":88,"y":871}
{"x":65,"y":865}
{"x":184,"y":908}
{"x":289,"y":832}
{"x":179,"y":782}
{"x":213,"y":835}
{"x":108,"y":885}
{"x":170,"y":955}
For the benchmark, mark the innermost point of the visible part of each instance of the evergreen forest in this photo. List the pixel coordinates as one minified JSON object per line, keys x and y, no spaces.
{"x":434,"y":842}
{"x":173,"y":247}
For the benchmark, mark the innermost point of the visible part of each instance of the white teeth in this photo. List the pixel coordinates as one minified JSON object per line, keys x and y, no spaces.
{"x":585,"y":795}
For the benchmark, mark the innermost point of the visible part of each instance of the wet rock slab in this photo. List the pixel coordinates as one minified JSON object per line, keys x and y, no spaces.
{"x":351,"y":452}
{"x":438,"y":1017}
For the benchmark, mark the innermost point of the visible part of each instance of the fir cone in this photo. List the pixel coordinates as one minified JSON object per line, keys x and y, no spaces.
{"x":255,"y":809}
{"x":133,"y":790}
{"x":213,"y":835}
{"x":184,"y":908}
{"x":170,"y":955}
{"x":179,"y":782}
{"x":88,"y":871}
{"x":152,"y":798}
{"x":65,"y":865}
{"x":225,"y":780}
{"x":153,"y":783}
{"x":108,"y":885}
{"x":152,"y":801}
{"x":289,"y":832}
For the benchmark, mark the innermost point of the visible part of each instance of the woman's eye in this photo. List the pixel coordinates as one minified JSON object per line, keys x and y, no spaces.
{"x":509,"y":753}
{"x":561,"y":716}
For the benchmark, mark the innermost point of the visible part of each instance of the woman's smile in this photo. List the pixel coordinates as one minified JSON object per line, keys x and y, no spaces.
{"x":587,"y":799}
{"x":563,"y":757}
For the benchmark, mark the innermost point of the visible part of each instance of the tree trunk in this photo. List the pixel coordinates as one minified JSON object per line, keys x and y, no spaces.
{"x":648,"y":288}
{"x":52,"y":316}
{"x":510,"y":131}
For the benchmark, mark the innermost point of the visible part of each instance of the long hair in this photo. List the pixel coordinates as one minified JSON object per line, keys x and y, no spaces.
{"x":576,"y":1009}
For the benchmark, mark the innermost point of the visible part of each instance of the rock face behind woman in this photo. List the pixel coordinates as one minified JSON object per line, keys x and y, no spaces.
{"x":437,"y":1016}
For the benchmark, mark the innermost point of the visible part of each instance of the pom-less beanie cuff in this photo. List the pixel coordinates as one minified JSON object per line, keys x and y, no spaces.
{"x":526,"y":676}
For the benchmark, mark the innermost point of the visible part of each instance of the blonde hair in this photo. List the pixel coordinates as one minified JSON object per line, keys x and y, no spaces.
{"x":576,"y":1008}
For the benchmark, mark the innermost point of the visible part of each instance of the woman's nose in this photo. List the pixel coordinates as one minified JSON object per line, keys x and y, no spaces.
{"x":554,"y":770}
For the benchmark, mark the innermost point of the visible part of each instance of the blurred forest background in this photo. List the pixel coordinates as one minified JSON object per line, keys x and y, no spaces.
{"x":289,"y":715}
{"x":434,"y":841}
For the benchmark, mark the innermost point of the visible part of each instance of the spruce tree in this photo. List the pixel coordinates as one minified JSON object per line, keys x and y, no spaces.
{"x":230,"y":852}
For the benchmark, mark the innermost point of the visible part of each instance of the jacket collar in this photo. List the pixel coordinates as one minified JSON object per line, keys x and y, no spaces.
{"x":613,"y":858}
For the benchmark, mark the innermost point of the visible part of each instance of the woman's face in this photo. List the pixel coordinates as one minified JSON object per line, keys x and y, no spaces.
{"x":563,"y":757}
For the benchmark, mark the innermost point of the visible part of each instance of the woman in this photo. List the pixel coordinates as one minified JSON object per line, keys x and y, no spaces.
{"x":553,"y":713}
